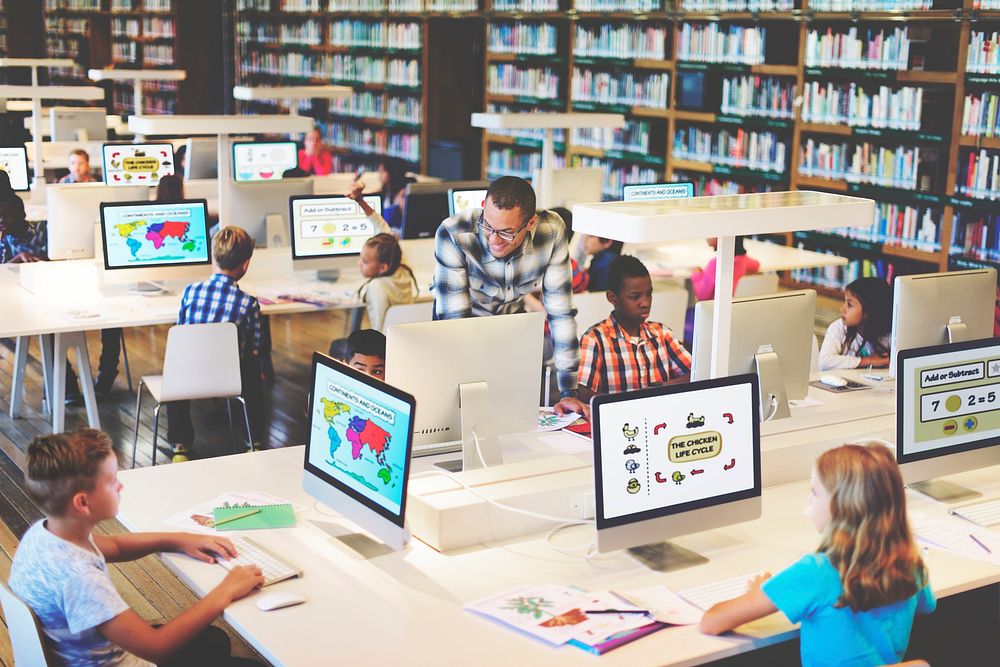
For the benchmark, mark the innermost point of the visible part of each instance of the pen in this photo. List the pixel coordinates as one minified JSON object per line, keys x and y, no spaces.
{"x":245,"y":515}
{"x":617,"y":611}
{"x":976,"y":540}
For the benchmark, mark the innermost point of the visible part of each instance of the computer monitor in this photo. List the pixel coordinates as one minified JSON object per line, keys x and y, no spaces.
{"x":327,"y":233}
{"x":772,"y":337}
{"x":427,"y":206}
{"x":358,"y":454}
{"x":202,"y":158}
{"x":78,"y":123}
{"x":137,"y":164}
{"x":936,"y":308}
{"x":465,"y":396}
{"x":574,"y":185}
{"x":463,"y":200}
{"x":675,"y":460}
{"x":947,"y":416}
{"x":251,"y":204}
{"x":73,"y":211}
{"x":14,"y":160}
{"x":657,"y":191}
{"x":154,"y":242}
{"x":263,"y":160}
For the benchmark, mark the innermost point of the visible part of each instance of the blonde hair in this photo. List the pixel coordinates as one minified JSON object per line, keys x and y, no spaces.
{"x":64,"y":464}
{"x":868,"y":539}
{"x":231,"y":247}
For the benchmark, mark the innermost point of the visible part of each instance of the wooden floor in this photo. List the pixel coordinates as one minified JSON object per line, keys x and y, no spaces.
{"x":149,"y":588}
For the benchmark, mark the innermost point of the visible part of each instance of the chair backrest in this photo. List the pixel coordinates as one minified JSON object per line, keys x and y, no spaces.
{"x":756,"y":284}
{"x":407,"y":313}
{"x":591,"y":308}
{"x":670,"y":307}
{"x":202,"y":361}
{"x":25,"y":631}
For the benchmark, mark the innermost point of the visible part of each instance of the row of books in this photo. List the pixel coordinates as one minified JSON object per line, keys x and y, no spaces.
{"x":121,"y":5}
{"x":304,"y":33}
{"x":119,"y":27}
{"x":539,"y":39}
{"x":158,"y":54}
{"x":123,"y":103}
{"x":253,"y":5}
{"x":158,"y":5}
{"x":976,"y":235}
{"x":900,"y":225}
{"x":510,"y":162}
{"x":404,"y":145}
{"x":986,"y":4}
{"x":124,"y":52}
{"x":535,"y":134}
{"x":629,"y":88}
{"x":715,"y":43}
{"x":452,"y":5}
{"x":343,"y":68}
{"x":509,"y":79}
{"x":382,"y":34}
{"x":74,"y":26}
{"x":379,"y":106}
{"x":525,"y":5}
{"x":734,"y":148}
{"x":301,"y":5}
{"x":737,"y":5}
{"x":754,"y":95}
{"x":618,"y":175}
{"x":860,"y":163}
{"x":633,"y":138}
{"x":154,"y":26}
{"x":862,"y":106}
{"x":617,"y":5}
{"x":707,"y":185}
{"x":984,"y":53}
{"x":869,"y":48}
{"x":623,"y":40}
{"x":869,"y":5}
{"x":981,"y":114}
{"x":376,"y":6}
{"x":75,"y":5}
{"x":256,"y":31}
{"x":979,"y":174}
{"x":839,"y":277}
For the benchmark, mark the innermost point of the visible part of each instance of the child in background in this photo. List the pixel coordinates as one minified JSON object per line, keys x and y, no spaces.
{"x":857,"y":595}
{"x":603,"y":251}
{"x":703,"y":280}
{"x":79,"y":168}
{"x":60,"y":567}
{"x":390,"y":282}
{"x":860,"y":337}
{"x":625,"y":352}
{"x":364,"y":350}
{"x":315,"y":158}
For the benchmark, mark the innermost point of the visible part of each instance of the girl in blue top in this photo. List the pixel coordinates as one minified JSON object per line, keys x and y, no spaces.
{"x":857,"y":595}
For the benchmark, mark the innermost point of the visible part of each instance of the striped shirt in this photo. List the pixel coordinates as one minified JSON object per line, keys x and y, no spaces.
{"x":611,"y":361}
{"x":219,"y":299}
{"x":470,"y":281}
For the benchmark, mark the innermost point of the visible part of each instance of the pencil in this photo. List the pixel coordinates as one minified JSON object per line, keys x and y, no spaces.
{"x":237,"y":517}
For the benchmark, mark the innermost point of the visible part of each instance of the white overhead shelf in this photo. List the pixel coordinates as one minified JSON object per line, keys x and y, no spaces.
{"x":51,"y":92}
{"x":219,"y":124}
{"x":112,"y":74}
{"x":515,"y":121}
{"x":37,"y":62}
{"x":247,"y":93}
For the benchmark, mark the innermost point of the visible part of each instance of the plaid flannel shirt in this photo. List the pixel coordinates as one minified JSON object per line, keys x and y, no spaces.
{"x":219,"y":299}
{"x":470,"y":281}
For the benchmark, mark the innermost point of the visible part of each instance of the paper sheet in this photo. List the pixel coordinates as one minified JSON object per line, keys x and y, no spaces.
{"x":807,"y":402}
{"x":199,"y":518}
{"x":955,"y":536}
{"x":667,"y":606}
{"x":548,"y":420}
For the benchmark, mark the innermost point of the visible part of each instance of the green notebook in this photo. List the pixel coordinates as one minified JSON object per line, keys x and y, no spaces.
{"x":269,"y":516}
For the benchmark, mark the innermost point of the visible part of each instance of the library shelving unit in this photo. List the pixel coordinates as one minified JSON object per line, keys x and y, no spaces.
{"x":385,"y":50}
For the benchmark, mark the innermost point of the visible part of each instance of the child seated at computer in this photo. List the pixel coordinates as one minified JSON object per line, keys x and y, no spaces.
{"x":703,"y":280}
{"x":219,"y":299}
{"x":625,"y":351}
{"x":390,"y":282}
{"x":79,"y":168}
{"x":60,"y":567}
{"x":860,"y":336}
{"x":857,"y":595}
{"x":364,"y":350}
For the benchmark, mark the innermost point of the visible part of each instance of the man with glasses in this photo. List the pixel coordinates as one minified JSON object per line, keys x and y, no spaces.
{"x":489,"y":259}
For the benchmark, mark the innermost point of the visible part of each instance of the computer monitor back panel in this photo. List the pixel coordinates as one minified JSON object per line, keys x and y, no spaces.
{"x":74,"y":208}
{"x":784,"y":321}
{"x":251,"y":203}
{"x":675,"y":460}
{"x":263,"y":160}
{"x":137,"y":164}
{"x":948,"y":409}
{"x":78,"y":124}
{"x":427,"y":206}
{"x":202,"y":159}
{"x":14,"y":160}
{"x":329,"y":229}
{"x":340,"y":184}
{"x":576,"y":185}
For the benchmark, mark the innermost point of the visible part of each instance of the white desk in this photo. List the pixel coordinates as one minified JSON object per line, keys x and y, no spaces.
{"x":406,"y":607}
{"x":681,"y":258}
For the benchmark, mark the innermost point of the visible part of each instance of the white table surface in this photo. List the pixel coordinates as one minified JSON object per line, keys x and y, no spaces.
{"x":680,"y":258}
{"x":406,"y":607}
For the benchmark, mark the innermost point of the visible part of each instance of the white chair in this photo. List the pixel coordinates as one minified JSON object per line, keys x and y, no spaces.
{"x":756,"y":284}
{"x":407,"y":313}
{"x":25,"y":631}
{"x":669,"y":307}
{"x":591,"y":308}
{"x":201,"y":361}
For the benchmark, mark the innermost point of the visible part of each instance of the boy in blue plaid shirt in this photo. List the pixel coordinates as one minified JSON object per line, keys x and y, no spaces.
{"x":219,"y":299}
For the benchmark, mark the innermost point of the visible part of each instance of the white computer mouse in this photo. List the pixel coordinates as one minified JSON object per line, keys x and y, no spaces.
{"x":278,"y":599}
{"x":833,"y":381}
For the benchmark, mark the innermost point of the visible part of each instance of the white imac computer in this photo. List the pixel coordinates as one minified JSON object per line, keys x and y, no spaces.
{"x":73,"y":211}
{"x":14,"y":160}
{"x":947,"y":414}
{"x":152,"y":242}
{"x":936,"y":308}
{"x":357,"y":457}
{"x":263,"y":160}
{"x":574,"y":185}
{"x":463,"y":200}
{"x":772,"y":337}
{"x":137,"y":164}
{"x":251,"y":205}
{"x":657,"y":191}
{"x":674,"y":460}
{"x":328,"y":233}
{"x":78,"y":123}
{"x":202,"y":159}
{"x":466,"y":397}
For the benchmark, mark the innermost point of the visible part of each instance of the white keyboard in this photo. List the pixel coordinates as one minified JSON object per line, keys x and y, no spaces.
{"x":985,"y":513}
{"x":249,"y":552}
{"x":437,"y":448}
{"x":707,"y":595}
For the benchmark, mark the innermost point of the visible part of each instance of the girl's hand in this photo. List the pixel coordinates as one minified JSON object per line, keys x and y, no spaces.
{"x":241,"y":581}
{"x":756,"y":582}
{"x":357,"y":191}
{"x":878,"y":361}
{"x":207,"y":548}
{"x":24,"y":258}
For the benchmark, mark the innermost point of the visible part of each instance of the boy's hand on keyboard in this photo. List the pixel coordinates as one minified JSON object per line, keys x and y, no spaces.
{"x":757,"y":582}
{"x":208,"y":548}
{"x":241,"y":581}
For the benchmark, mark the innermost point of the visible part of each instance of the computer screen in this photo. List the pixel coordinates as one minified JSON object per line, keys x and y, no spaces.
{"x":263,"y":161}
{"x":669,"y":450}
{"x":137,"y":164}
{"x":149,"y":234}
{"x":463,"y":200}
{"x":656,"y":191}
{"x":357,"y":457}
{"x":14,"y":160}
{"x":330,"y":226}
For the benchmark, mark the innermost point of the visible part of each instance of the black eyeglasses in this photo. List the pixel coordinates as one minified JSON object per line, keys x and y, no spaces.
{"x":507,"y":235}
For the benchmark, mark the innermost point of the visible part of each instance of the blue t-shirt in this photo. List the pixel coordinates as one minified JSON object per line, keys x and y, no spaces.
{"x":807,"y":592}
{"x":598,"y":271}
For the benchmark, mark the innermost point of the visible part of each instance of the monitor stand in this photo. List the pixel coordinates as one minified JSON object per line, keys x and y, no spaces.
{"x":666,"y":556}
{"x":149,"y":288}
{"x":957,"y":331}
{"x":480,"y":447}
{"x":328,"y":275}
{"x":944,"y":491}
{"x":773,"y":400}
{"x":364,"y":546}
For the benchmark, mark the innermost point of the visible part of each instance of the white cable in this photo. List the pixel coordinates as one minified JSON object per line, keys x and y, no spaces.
{"x":316,"y":508}
{"x":569,"y":551}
